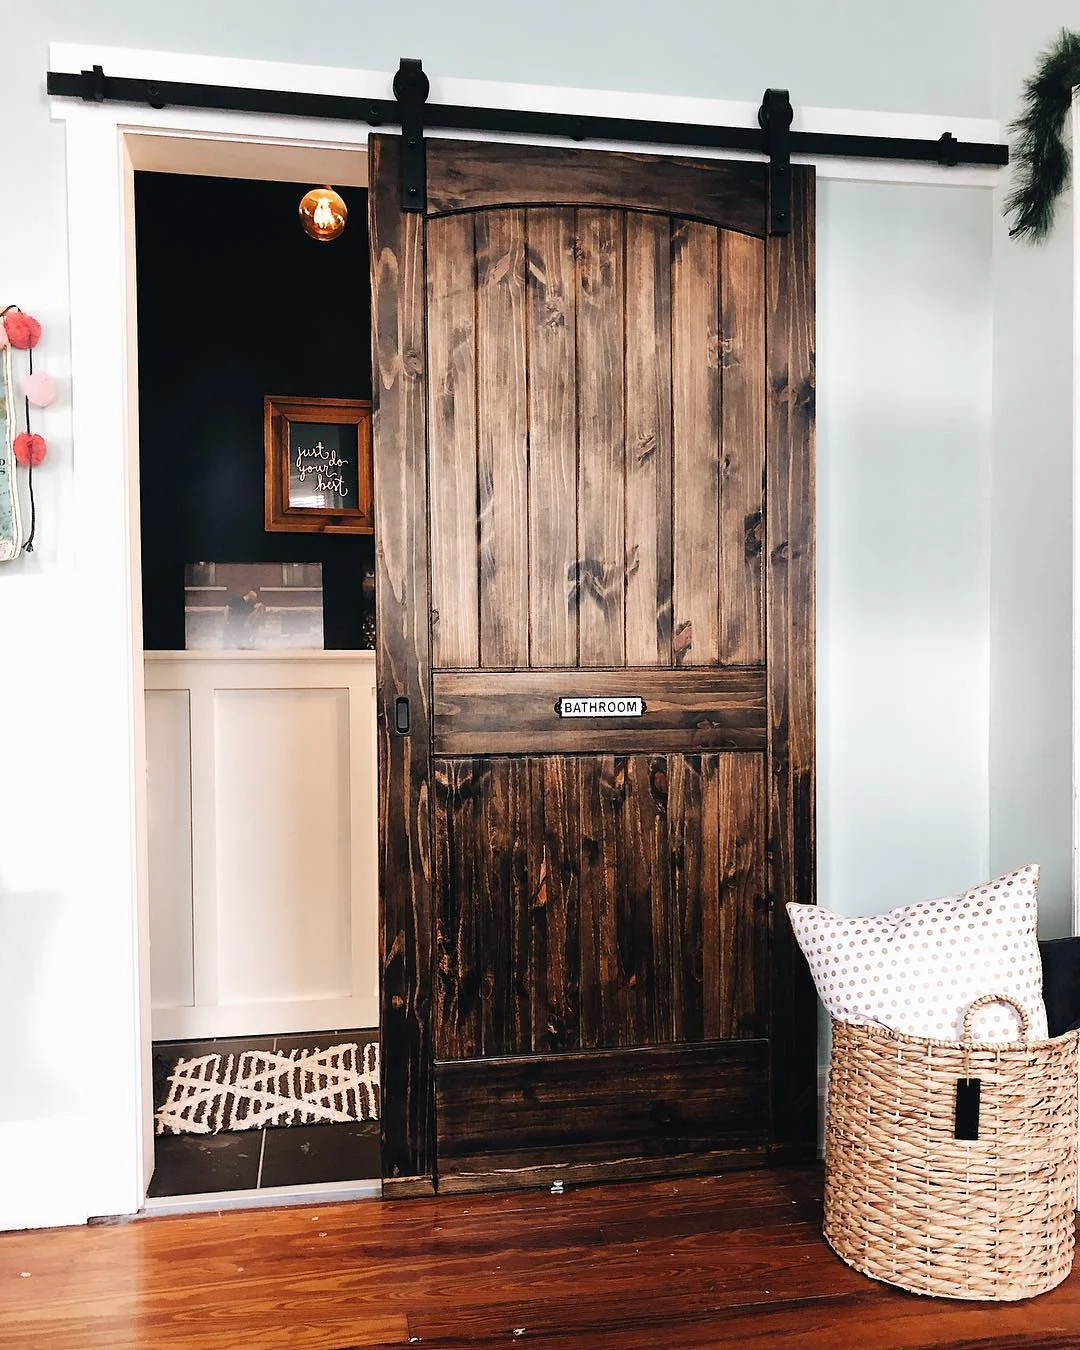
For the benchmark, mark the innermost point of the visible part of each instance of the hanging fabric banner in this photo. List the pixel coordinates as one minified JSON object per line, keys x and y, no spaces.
{"x":10,"y":522}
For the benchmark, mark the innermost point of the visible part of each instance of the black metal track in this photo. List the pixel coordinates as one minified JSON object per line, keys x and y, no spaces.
{"x":95,"y":86}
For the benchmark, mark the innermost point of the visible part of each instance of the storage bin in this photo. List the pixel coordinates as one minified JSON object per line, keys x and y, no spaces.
{"x":909,"y":1203}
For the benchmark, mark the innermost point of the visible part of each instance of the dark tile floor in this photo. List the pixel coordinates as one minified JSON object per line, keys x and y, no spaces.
{"x":247,"y":1160}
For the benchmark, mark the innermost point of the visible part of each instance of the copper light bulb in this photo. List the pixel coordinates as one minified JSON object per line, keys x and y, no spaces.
{"x":323,"y":214}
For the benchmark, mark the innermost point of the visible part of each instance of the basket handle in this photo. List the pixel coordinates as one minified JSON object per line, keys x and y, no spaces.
{"x":984,"y":1002}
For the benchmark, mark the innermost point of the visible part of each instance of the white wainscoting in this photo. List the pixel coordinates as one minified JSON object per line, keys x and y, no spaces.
{"x":261,"y":786}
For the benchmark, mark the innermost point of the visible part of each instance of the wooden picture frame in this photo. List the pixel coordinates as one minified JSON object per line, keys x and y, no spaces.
{"x":318,"y":465}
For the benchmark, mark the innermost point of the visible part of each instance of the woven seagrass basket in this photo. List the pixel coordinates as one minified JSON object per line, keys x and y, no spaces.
{"x":909,"y":1203}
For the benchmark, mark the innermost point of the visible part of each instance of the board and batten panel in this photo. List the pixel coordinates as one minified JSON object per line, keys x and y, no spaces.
{"x":281,"y":768}
{"x":168,"y":793}
{"x":281,"y":914}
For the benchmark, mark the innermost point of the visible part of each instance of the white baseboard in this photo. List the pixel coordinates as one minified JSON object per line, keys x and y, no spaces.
{"x":42,"y":1173}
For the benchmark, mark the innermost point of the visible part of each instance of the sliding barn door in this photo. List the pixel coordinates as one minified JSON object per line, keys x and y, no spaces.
{"x":594,"y":488}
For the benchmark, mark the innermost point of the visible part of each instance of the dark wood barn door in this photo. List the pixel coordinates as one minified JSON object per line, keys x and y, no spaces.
{"x":594,"y":480}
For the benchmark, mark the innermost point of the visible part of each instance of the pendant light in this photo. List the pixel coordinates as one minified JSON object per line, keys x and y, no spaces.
{"x":323,"y":214}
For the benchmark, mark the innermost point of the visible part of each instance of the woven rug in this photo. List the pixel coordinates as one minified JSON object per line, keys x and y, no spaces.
{"x":258,"y":1088}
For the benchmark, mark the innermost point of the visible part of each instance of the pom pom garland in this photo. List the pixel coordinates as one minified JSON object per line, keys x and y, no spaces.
{"x":29,"y":449}
{"x":23,"y":330}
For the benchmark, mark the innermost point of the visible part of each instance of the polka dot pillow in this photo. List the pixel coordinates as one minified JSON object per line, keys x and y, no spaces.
{"x":917,"y":968}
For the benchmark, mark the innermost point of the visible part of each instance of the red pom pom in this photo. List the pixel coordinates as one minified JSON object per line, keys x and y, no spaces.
{"x":23,"y":330}
{"x":29,"y":448}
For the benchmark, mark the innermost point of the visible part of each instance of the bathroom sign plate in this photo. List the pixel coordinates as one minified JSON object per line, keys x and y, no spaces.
{"x":584,"y":705}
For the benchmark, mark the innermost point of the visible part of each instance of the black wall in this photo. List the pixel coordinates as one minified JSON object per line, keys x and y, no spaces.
{"x":236,"y":302}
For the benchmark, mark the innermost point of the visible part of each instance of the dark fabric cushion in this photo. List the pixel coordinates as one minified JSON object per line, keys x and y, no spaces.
{"x":1061,"y":984}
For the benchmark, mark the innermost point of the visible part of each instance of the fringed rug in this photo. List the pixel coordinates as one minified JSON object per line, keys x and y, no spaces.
{"x":256,"y":1088}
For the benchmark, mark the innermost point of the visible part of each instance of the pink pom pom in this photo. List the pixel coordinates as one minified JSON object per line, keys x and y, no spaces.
{"x":39,"y":388}
{"x":29,"y":448}
{"x":23,"y":330}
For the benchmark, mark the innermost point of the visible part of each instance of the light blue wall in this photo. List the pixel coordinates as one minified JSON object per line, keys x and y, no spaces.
{"x":920,"y":56}
{"x":1031,"y":572}
{"x":904,"y":341}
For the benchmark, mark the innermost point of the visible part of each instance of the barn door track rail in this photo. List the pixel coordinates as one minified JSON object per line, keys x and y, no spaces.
{"x":410,"y":110}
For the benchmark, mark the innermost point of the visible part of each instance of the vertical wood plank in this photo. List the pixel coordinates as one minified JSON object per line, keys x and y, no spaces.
{"x":695,"y":382}
{"x":451,"y":340}
{"x":601,"y":435}
{"x":403,"y":661}
{"x":709,"y":896}
{"x":518,"y":1039}
{"x":502,"y":429}
{"x":789,"y":434}
{"x":492,"y":845}
{"x":598,"y":863}
{"x":742,"y":359}
{"x":552,"y":381}
{"x":743,"y":937}
{"x":658,"y":845}
{"x":458,"y":974}
{"x":693,"y":792}
{"x":648,"y":440}
{"x":637,"y":1013}
{"x":615,"y":938}
{"x":555,"y":832}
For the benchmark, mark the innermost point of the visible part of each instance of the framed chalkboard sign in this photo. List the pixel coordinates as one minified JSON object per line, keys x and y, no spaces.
{"x":318,"y":465}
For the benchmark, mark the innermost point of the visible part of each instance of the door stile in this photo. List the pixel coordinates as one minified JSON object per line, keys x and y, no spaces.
{"x":789,"y":540}
{"x":403,"y":665}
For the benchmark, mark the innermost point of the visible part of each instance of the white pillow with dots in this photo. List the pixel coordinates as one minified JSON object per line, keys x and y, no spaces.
{"x":916,"y":969}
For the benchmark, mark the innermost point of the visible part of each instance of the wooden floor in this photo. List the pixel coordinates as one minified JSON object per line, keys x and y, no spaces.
{"x":714,"y":1261}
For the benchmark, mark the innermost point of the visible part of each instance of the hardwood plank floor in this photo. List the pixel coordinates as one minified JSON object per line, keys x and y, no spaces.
{"x":735,"y":1260}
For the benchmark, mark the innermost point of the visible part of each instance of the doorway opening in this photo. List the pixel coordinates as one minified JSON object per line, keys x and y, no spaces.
{"x":259,"y":677}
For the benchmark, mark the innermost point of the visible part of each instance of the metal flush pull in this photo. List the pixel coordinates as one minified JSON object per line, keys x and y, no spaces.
{"x":401,"y":716}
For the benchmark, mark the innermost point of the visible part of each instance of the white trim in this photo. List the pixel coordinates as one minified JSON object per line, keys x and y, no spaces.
{"x":42,"y":1169}
{"x":107,"y":769}
{"x":1076,"y":531}
{"x":328,"y":1193}
{"x":1075,"y":126}
{"x":246,"y":74}
{"x":288,"y":655}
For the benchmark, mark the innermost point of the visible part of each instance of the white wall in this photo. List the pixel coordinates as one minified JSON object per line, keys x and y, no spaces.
{"x":1031,"y":627}
{"x":903,"y":446}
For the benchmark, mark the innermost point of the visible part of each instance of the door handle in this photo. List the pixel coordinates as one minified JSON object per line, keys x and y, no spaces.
{"x":401,"y":716}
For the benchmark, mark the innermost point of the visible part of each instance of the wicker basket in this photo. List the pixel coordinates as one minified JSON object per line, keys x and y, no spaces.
{"x":909,"y":1203}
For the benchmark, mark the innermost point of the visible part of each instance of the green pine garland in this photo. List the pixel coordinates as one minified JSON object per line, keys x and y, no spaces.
{"x":1042,"y":157}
